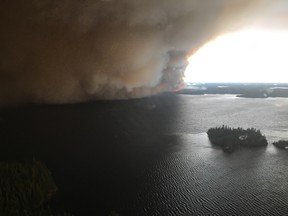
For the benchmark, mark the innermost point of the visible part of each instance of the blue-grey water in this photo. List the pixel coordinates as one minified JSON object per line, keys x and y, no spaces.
{"x":152,"y":156}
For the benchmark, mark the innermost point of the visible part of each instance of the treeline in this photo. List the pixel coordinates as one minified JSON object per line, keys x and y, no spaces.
{"x":264,"y":93}
{"x":232,"y":138}
{"x":25,"y":189}
{"x":281,"y":144}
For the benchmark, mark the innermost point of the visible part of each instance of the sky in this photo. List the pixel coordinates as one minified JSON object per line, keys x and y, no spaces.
{"x":60,"y":51}
{"x":249,"y":56}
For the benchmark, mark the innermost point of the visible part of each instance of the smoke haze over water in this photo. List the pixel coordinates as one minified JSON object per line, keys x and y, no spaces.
{"x":66,"y":51}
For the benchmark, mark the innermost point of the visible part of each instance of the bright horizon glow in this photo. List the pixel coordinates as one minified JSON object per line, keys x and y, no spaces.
{"x":250,"y":56}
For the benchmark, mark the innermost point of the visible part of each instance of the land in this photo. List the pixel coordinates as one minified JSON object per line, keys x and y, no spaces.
{"x":231,"y":139}
{"x":248,"y":90}
{"x":26,"y":188}
{"x":283,"y":144}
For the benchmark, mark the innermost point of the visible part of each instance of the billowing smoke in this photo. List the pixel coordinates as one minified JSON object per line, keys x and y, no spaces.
{"x":66,"y":51}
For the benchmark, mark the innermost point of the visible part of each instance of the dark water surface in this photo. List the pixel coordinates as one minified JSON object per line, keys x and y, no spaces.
{"x":152,"y":156}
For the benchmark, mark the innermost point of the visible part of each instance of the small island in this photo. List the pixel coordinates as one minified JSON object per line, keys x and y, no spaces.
{"x":231,"y":139}
{"x":283,"y":144}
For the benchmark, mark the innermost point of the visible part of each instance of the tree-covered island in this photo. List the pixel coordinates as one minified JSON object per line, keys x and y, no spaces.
{"x":232,"y":138}
{"x":281,"y":144}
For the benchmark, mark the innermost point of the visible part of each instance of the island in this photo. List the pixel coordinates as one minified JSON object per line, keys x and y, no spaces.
{"x":283,"y":144}
{"x":231,"y":139}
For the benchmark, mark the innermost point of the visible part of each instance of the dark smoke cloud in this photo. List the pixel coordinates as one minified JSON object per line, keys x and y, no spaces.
{"x":66,"y":51}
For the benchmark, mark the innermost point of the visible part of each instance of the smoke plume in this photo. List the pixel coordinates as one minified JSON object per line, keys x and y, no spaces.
{"x":67,"y":51}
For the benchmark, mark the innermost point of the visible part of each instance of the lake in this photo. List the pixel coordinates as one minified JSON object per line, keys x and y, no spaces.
{"x":152,"y":156}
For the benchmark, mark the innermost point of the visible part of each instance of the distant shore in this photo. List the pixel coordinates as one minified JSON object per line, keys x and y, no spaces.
{"x":247,"y":90}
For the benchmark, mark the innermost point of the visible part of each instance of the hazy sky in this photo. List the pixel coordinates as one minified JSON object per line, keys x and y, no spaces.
{"x":66,"y":51}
